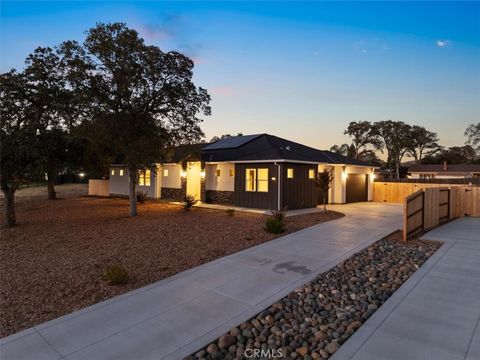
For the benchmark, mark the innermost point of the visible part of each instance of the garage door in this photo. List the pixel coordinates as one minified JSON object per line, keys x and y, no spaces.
{"x":357,"y":188}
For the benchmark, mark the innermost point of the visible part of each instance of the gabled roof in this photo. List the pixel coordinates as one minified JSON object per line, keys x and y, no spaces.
{"x":188,"y":152}
{"x":448,"y":168}
{"x":264,"y":147}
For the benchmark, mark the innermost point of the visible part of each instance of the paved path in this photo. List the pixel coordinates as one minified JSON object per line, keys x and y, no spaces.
{"x":174,"y":317}
{"x":436,"y":313}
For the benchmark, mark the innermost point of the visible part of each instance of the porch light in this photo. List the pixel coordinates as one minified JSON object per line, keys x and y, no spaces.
{"x":374,"y":176}
{"x":344,"y":176}
{"x":274,"y":178}
{"x":81,"y":174}
{"x":202,"y":174}
{"x":183,"y":174}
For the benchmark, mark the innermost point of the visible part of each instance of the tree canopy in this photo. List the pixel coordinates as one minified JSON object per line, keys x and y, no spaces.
{"x":144,"y":97}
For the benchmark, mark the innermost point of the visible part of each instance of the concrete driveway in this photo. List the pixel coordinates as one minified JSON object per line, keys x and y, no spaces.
{"x":436,"y":313}
{"x":174,"y":317}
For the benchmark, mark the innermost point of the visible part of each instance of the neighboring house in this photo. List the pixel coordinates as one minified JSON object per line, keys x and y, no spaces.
{"x":444,"y":171}
{"x":258,"y":171}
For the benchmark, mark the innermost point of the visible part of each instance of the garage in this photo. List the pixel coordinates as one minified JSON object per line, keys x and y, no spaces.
{"x":356,"y":188}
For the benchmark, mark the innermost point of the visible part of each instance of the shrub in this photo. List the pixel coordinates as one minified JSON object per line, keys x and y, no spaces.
{"x":142,"y":196}
{"x":274,"y":225}
{"x":280,"y":214}
{"x":188,"y":202}
{"x":115,"y":274}
{"x":230,"y":212}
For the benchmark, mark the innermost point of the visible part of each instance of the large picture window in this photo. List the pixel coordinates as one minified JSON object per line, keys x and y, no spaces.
{"x":256,"y":180}
{"x":144,"y":177}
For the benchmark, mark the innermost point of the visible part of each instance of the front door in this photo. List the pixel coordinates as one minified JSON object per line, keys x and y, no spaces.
{"x":193,"y":179}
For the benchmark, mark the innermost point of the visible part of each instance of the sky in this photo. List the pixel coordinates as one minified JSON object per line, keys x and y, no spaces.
{"x":299,"y":70}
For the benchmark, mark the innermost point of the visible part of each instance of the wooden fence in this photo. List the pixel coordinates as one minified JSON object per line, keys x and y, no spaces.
{"x":395,"y":192}
{"x":427,"y":208}
{"x":98,"y":188}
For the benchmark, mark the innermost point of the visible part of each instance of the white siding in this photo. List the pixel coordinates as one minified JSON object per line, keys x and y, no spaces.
{"x":119,"y":184}
{"x":224,"y":182}
{"x":173,"y":180}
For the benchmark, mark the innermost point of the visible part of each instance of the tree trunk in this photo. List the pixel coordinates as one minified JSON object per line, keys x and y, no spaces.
{"x":51,"y":178}
{"x":325,"y":201}
{"x":131,"y":192}
{"x":8,"y":219}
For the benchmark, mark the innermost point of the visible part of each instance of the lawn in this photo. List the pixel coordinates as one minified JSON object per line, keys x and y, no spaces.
{"x":53,"y":262}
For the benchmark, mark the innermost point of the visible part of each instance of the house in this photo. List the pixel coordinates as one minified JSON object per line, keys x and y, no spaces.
{"x":257,"y":171}
{"x":444,"y":171}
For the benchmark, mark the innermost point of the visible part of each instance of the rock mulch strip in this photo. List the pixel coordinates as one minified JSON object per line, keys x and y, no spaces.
{"x":313,"y":321}
{"x":53,"y":262}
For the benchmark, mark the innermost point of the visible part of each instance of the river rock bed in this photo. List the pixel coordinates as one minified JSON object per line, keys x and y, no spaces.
{"x":313,"y":321}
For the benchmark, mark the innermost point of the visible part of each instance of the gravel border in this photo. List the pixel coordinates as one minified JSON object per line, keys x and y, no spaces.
{"x":313,"y":321}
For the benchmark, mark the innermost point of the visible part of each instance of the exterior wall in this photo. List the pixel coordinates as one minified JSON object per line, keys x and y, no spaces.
{"x":220,"y":197}
{"x":254,"y":199}
{"x":172,"y":194}
{"x":119,"y":184}
{"x":224,"y":182}
{"x":298,"y":192}
{"x":339,"y":184}
{"x":173,"y":180}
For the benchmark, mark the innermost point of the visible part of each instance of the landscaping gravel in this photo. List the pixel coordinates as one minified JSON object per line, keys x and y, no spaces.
{"x":52,"y":263}
{"x":313,"y":321}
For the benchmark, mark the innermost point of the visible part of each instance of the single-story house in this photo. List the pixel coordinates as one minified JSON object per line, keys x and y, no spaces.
{"x":444,"y":171}
{"x":257,"y":171}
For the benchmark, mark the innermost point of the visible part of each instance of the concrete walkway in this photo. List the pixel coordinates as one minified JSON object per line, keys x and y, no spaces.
{"x":436,"y":313}
{"x":174,"y":317}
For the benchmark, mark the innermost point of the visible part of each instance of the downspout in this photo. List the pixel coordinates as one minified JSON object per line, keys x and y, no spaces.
{"x":278,"y":186}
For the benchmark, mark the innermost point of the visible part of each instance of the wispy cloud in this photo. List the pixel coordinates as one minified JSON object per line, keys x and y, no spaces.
{"x":371,"y":45}
{"x":223,"y":90}
{"x":442,"y":43}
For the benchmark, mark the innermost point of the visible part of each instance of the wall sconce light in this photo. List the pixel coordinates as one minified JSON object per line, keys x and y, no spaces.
{"x":183,"y":174}
{"x":374,"y":176}
{"x":202,"y":174}
{"x":274,"y":178}
{"x":344,"y":175}
{"x":81,"y":174}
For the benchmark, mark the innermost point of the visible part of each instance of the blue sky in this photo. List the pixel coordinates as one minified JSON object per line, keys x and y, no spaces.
{"x":298,"y":70}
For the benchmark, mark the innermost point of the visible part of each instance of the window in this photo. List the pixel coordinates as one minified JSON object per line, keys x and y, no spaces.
{"x":217,"y":172}
{"x":311,"y":173}
{"x":290,"y":173}
{"x":113,"y":172}
{"x":256,"y":180}
{"x":144,"y":177}
{"x":121,"y":172}
{"x":231,"y":172}
{"x":262,"y":180}
{"x":251,"y":179}
{"x":165,"y":172}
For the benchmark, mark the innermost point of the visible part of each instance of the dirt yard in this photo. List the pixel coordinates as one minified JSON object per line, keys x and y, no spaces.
{"x":52,"y":262}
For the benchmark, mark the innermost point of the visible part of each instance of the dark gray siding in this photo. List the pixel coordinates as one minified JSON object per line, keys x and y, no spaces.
{"x":254,"y":199}
{"x":299,"y":192}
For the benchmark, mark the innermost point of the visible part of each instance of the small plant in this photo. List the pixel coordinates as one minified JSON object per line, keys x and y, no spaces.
{"x":142,"y":196}
{"x":188,"y":202}
{"x":280,"y":214}
{"x":230,"y":212}
{"x":274,"y":225}
{"x":116,"y":274}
